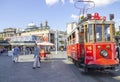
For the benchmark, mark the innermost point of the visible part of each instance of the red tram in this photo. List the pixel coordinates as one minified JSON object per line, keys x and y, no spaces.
{"x":91,"y":43}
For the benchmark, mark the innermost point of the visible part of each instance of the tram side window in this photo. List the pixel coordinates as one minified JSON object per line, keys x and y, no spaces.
{"x":81,"y":35}
{"x":67,"y":41}
{"x":70,"y":40}
{"x":98,"y":30}
{"x":90,"y":33}
{"x":107,"y":32}
{"x":86,"y":31}
{"x":73,"y":38}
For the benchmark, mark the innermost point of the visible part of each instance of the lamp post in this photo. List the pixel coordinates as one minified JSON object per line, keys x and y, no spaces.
{"x":56,"y":41}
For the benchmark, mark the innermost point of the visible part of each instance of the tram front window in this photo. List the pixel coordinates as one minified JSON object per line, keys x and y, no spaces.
{"x":107,"y":32}
{"x":98,"y":32}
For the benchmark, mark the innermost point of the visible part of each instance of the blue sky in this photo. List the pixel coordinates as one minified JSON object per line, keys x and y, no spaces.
{"x":19,"y":13}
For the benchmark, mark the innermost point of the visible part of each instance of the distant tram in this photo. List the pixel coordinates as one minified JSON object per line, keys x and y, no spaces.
{"x":91,"y":43}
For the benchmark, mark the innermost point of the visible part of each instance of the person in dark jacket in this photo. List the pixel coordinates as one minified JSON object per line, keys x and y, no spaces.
{"x":118,"y":52}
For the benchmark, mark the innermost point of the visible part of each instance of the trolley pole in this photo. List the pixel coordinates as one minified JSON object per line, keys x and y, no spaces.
{"x":56,"y":41}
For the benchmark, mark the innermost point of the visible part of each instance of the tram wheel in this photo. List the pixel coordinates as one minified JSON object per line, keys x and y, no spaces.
{"x":68,"y":58}
{"x":77,"y":64}
{"x":74,"y":61}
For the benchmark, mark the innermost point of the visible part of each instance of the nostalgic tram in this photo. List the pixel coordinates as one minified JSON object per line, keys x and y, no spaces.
{"x":91,"y":43}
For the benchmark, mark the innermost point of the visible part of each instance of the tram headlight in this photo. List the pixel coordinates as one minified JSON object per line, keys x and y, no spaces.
{"x":104,"y":53}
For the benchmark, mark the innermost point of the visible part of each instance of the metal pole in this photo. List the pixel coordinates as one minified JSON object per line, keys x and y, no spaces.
{"x":56,"y":41}
{"x":119,"y":52}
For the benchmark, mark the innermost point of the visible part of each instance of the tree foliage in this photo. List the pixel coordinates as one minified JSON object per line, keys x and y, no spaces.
{"x":117,"y":33}
{"x":1,"y":38}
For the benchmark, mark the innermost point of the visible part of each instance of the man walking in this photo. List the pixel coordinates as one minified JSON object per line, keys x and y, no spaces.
{"x":36,"y":57}
{"x":16,"y":51}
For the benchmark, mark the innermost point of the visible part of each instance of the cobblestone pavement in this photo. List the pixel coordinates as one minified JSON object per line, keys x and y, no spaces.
{"x":55,"y":68}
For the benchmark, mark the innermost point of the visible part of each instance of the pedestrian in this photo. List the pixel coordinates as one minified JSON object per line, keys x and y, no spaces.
{"x":62,"y":49}
{"x":16,"y":52}
{"x":118,"y":52}
{"x":36,"y":57}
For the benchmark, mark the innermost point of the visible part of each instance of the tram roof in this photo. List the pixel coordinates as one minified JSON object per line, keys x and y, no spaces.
{"x":96,"y":21}
{"x":100,"y":22}
{"x":91,"y":22}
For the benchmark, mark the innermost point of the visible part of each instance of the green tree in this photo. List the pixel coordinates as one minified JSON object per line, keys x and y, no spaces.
{"x":1,"y":38}
{"x":117,"y":33}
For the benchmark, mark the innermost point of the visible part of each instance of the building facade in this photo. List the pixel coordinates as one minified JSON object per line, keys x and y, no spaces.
{"x":61,"y":40}
{"x":33,"y":34}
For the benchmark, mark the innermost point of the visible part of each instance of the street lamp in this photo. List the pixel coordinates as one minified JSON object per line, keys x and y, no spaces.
{"x":56,"y":40}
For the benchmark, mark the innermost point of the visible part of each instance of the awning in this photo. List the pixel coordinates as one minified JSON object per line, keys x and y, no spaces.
{"x":45,"y":44}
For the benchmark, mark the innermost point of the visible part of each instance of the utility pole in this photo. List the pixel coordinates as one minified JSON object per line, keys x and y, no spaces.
{"x":56,"y":40}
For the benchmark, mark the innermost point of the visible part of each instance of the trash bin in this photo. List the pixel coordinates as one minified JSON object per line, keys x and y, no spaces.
{"x":10,"y":53}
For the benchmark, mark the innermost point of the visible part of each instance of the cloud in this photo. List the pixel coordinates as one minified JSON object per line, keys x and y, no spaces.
{"x":63,"y":1}
{"x":103,"y":2}
{"x":51,"y":2}
{"x":71,"y":1}
{"x":74,"y":17}
{"x":97,"y":2}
